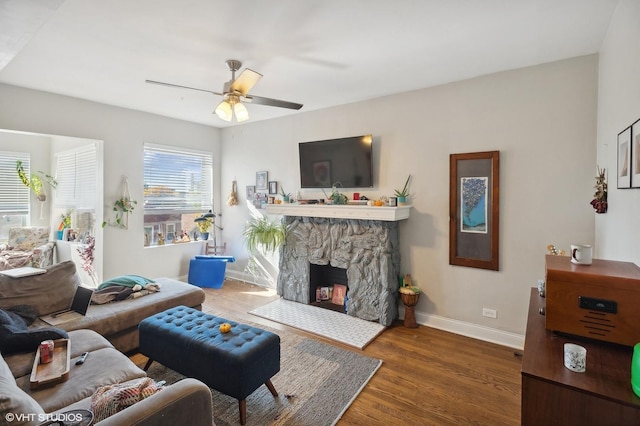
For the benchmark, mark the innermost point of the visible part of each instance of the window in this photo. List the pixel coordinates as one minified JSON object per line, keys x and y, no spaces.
{"x":177,"y":187}
{"x":76,"y":176}
{"x":14,"y":195}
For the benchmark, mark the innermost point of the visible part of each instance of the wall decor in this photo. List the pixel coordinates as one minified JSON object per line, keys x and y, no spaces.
{"x":251,"y":192}
{"x":474,"y":194}
{"x":261,"y":181}
{"x":624,"y":158}
{"x":273,"y":187}
{"x":635,"y":154}
{"x":599,"y":202}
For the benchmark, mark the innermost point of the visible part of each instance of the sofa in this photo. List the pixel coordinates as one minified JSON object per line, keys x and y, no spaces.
{"x":27,"y":246}
{"x":105,"y":332}
{"x":118,"y":322}
{"x":185,"y":402}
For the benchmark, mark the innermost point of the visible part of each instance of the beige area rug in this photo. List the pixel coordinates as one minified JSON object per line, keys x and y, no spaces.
{"x":336,"y":326}
{"x":316,"y":384}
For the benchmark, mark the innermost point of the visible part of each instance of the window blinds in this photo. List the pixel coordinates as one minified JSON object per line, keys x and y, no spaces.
{"x":76,"y":176}
{"x":14,"y":195}
{"x":177,"y":180}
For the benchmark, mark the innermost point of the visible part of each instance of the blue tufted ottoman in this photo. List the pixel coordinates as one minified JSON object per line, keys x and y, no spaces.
{"x":189,"y":341}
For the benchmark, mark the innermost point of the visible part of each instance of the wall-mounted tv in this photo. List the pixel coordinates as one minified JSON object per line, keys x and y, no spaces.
{"x":348,"y":161}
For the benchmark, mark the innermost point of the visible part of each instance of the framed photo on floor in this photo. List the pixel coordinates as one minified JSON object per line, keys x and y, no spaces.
{"x":474,"y":195}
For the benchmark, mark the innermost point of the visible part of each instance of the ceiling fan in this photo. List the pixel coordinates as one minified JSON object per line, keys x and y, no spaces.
{"x":235,"y":92}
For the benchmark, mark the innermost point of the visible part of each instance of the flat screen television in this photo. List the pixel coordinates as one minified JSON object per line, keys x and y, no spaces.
{"x":348,"y":161}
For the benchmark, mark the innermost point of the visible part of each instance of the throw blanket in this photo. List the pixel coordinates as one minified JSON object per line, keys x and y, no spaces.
{"x":115,"y":292}
{"x":109,"y":400}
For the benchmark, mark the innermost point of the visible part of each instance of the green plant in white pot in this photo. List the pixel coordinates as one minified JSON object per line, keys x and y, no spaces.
{"x":263,"y":233}
{"x":404,"y":193}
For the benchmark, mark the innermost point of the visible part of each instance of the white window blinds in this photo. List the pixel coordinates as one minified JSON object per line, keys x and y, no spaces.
{"x":76,"y":176}
{"x":177,"y":180}
{"x":14,"y":195}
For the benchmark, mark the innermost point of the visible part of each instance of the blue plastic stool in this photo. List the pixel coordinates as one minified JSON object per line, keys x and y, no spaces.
{"x":208,"y":271}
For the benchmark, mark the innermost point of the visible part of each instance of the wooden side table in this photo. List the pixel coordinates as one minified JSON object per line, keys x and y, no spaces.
{"x":410,"y":301}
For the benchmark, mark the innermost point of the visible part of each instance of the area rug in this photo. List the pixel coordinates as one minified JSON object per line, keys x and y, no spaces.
{"x":316,"y":384}
{"x":333,"y":325}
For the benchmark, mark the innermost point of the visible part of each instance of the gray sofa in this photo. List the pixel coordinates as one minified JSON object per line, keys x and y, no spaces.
{"x":116,"y":321}
{"x":105,"y":332}
{"x":185,"y":402}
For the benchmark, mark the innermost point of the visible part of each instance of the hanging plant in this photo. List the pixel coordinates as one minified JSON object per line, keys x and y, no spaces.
{"x":35,"y":182}
{"x":122,"y":207}
{"x":262,"y":233}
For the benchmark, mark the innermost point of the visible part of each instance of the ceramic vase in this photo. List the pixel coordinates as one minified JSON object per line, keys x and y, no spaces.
{"x":402,"y":201}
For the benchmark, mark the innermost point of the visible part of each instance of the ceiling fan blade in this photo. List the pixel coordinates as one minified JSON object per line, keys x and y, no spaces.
{"x":245,"y":81}
{"x":272,"y":102}
{"x":181,"y":87}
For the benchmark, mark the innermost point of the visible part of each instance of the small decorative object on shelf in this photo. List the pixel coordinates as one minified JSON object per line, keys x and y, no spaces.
{"x":402,"y":195}
{"x":599,"y":202}
{"x":286,"y":196}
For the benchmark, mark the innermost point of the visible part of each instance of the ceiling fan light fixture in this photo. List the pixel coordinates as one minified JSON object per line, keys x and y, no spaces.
{"x":223,"y":111}
{"x":241,"y":112}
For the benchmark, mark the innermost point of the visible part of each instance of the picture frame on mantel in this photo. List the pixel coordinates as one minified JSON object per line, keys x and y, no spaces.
{"x":635,"y":154}
{"x":474,"y":209}
{"x":261,"y":181}
{"x":624,"y":159}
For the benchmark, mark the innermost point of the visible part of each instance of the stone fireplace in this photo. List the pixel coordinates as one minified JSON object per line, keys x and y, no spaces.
{"x":368,"y":250}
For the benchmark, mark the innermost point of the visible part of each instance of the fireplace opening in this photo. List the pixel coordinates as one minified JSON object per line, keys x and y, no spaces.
{"x":328,"y":287}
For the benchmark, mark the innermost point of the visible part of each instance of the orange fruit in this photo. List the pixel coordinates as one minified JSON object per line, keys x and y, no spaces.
{"x":225,"y":328}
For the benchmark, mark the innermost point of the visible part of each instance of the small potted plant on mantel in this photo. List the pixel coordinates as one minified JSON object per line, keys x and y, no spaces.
{"x":404,"y":194}
{"x":286,"y":196}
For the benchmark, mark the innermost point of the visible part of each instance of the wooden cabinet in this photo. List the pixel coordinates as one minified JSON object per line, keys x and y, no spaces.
{"x":554,"y":395}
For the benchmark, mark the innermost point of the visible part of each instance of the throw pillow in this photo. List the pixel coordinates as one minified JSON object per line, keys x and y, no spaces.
{"x":110,"y":399}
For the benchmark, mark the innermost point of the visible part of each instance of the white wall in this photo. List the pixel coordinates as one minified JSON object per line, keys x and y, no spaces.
{"x":617,"y":231}
{"x":123,"y":131}
{"x":542,"y":119}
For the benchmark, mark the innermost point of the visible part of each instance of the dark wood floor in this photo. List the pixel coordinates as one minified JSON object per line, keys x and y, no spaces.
{"x":428,"y":376}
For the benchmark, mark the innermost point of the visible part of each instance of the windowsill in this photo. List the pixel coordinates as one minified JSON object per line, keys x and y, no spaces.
{"x":186,"y":243}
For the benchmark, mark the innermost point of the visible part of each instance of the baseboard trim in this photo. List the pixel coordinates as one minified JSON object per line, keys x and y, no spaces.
{"x":475,"y":331}
{"x":248,"y":278}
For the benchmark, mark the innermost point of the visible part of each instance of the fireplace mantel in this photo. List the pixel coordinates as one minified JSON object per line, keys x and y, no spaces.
{"x":390,"y":214}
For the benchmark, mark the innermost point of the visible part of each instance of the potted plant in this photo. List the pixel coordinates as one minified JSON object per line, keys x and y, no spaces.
{"x":402,"y":195}
{"x":204,"y":223}
{"x":263,"y":233}
{"x":286,"y":196}
{"x":336,"y":196}
{"x":122,"y":206}
{"x":35,"y":182}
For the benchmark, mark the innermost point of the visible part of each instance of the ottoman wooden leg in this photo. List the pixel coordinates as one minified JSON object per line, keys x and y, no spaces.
{"x":148,"y":364}
{"x":272,"y":388}
{"x":242,"y":405}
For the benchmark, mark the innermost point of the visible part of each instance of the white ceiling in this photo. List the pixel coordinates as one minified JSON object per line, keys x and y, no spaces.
{"x":320,"y":53}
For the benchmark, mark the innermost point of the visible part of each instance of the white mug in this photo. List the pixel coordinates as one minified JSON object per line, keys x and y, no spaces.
{"x":575,"y":357}
{"x":581,"y":254}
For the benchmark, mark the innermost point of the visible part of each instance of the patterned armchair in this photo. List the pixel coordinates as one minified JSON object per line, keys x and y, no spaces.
{"x":27,"y":246}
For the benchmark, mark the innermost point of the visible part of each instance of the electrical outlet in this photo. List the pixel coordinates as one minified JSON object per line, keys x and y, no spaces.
{"x":489,"y":313}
